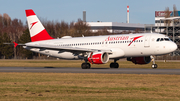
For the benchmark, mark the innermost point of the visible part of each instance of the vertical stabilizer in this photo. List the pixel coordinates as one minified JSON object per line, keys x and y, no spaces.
{"x":36,"y":29}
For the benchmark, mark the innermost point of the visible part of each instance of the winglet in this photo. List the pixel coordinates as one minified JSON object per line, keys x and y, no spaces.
{"x":15,"y":44}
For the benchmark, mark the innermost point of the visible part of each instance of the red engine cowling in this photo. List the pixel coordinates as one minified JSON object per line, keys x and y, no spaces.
{"x":141,"y":60}
{"x":98,"y":57}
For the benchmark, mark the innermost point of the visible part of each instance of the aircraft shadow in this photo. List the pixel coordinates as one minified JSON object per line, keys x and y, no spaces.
{"x":49,"y":67}
{"x":99,"y":68}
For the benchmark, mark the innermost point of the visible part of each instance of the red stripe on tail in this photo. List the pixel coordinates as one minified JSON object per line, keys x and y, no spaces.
{"x":29,"y":12}
{"x":43,"y":35}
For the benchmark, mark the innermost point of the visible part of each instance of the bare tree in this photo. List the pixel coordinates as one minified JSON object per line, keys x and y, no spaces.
{"x":167,"y":15}
{"x":81,"y":28}
{"x":175,"y":11}
{"x":6,"y":20}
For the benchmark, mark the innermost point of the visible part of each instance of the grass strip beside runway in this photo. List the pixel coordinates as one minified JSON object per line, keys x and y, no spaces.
{"x":89,"y":87}
{"x":77,"y":63}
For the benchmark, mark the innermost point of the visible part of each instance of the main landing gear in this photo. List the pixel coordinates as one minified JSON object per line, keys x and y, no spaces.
{"x":114,"y":64}
{"x":154,"y":65}
{"x":85,"y":65}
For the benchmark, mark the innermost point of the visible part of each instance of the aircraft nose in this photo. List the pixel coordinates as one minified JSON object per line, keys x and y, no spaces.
{"x":173,"y":47}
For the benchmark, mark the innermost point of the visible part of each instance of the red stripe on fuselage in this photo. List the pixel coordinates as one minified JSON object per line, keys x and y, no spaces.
{"x":29,"y":12}
{"x":43,"y":35}
{"x":134,"y":39}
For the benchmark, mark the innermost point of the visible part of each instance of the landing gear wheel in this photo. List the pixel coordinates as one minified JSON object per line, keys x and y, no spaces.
{"x":85,"y":66}
{"x":154,"y":66}
{"x":114,"y":65}
{"x":88,"y":66}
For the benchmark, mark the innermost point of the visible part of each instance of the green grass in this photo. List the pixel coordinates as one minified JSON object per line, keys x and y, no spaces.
{"x":88,"y":87}
{"x":77,"y":63}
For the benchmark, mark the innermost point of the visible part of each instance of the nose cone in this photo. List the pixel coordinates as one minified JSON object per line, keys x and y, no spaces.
{"x":173,"y":47}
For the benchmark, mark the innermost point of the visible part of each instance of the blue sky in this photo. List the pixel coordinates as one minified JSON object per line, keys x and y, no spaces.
{"x":141,"y":11}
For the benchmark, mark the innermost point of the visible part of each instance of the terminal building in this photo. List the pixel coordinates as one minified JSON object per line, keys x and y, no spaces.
{"x":115,"y":27}
{"x":169,"y":26}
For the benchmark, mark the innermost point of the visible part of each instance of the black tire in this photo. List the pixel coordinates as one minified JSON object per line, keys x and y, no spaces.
{"x":85,"y":66}
{"x":154,"y":66}
{"x":114,"y":65}
{"x":88,"y":65}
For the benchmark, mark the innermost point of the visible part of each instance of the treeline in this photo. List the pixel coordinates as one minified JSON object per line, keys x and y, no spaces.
{"x":14,"y":30}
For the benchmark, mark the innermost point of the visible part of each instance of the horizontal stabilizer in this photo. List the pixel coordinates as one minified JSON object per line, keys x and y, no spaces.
{"x":15,"y":44}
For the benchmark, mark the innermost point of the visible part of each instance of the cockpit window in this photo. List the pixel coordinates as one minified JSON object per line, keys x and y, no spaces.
{"x":166,"y":39}
{"x":163,"y":39}
{"x":158,"y":39}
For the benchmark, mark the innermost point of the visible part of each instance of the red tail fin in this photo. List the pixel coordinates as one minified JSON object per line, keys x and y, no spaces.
{"x":37,"y":30}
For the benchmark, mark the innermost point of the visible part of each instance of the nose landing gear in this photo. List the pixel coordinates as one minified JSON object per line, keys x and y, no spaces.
{"x":154,"y":65}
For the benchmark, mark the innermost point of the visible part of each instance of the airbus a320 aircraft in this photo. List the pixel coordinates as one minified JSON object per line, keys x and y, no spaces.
{"x":138,"y":48}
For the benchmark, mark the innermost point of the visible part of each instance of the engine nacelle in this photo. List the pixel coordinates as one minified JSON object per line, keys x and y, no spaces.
{"x":98,"y":57}
{"x":140,"y":60}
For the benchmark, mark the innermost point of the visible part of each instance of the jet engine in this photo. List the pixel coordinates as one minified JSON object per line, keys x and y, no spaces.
{"x":98,"y":57}
{"x":140,"y":60}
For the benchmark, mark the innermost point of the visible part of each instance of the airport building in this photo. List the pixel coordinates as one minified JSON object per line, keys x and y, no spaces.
{"x":169,"y":26}
{"x":115,"y":27}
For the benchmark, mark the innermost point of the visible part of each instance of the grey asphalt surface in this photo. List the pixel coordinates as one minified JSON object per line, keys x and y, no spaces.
{"x":92,"y":70}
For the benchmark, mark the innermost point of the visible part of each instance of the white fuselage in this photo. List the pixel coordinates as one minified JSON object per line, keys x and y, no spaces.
{"x":122,"y":45}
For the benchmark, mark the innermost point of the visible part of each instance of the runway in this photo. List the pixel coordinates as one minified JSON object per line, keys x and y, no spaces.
{"x":92,"y":70}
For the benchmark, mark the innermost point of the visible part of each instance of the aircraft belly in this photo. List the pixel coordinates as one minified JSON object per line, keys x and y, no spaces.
{"x":116,"y":53}
{"x":54,"y":53}
{"x":136,"y":52}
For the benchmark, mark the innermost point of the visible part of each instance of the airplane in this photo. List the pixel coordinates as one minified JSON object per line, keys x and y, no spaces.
{"x":138,"y":48}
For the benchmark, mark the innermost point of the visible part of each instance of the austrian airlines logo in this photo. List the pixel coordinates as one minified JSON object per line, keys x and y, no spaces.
{"x":134,"y":39}
{"x":32,"y":24}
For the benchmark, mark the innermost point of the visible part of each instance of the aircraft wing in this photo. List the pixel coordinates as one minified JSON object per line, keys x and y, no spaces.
{"x":69,"y":49}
